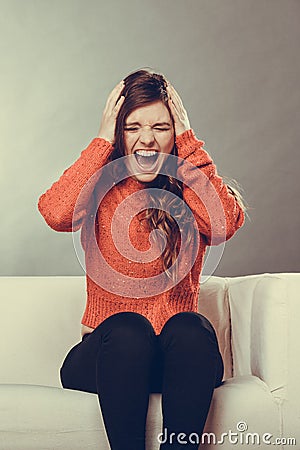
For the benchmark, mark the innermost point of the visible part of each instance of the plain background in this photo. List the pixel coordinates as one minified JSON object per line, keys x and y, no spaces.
{"x":235,"y":64}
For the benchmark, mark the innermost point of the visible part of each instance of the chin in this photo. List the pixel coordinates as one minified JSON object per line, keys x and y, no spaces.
{"x":145,"y":177}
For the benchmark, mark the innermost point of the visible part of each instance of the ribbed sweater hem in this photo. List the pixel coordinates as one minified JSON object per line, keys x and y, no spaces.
{"x":99,"y":307}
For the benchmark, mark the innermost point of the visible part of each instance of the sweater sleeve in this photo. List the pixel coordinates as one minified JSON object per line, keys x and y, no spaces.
{"x":215,"y":208}
{"x":58,"y":203}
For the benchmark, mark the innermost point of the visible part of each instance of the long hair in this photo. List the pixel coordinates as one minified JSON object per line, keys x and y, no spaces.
{"x":140,"y":88}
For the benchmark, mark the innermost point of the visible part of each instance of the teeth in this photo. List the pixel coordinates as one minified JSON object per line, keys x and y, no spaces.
{"x":145,"y":153}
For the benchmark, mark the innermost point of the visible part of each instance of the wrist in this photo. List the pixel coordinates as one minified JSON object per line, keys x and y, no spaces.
{"x":107,"y":139}
{"x":185,"y":135}
{"x":187,"y":143}
{"x":182,"y":126}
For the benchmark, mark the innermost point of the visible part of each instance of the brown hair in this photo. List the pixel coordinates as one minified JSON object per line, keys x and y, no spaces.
{"x":144,"y":87}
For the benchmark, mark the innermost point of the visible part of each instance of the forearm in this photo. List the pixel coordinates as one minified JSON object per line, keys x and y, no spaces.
{"x":57,"y":204}
{"x":216,"y":210}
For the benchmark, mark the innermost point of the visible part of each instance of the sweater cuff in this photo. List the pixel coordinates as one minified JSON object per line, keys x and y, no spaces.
{"x":95,"y":155}
{"x":187,"y":143}
{"x":100,"y":143}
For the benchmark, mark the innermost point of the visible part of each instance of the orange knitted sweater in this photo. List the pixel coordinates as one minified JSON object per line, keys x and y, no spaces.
{"x":57,"y":206}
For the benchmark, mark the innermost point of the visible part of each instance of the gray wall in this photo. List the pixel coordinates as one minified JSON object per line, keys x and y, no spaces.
{"x":236,"y":66}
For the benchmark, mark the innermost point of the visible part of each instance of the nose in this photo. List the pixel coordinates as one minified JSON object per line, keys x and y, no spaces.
{"x":147,"y":137}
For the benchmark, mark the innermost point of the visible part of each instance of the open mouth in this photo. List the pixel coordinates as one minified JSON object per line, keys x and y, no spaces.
{"x":146,"y":159}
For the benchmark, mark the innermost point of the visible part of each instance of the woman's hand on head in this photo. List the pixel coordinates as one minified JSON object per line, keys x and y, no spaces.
{"x":110,"y":113}
{"x":181,"y":120}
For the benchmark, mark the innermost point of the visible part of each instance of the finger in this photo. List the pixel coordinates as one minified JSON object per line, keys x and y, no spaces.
{"x":113,"y":96}
{"x":119,"y":104}
{"x":173,"y":102}
{"x":117,"y":87}
{"x":172,"y":96}
{"x":176,"y":96}
{"x":178,"y":105}
{"x":173,"y":109}
{"x":112,"y":99}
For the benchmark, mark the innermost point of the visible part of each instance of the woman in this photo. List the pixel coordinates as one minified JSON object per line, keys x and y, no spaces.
{"x":140,"y":337}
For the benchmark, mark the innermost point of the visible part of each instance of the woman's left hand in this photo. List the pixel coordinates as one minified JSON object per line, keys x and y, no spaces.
{"x":181,"y":120}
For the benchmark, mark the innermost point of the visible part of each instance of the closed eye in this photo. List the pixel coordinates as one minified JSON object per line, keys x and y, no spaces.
{"x":155,"y":128}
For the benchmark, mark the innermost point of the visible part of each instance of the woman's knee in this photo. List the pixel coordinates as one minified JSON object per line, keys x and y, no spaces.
{"x":126,"y":327}
{"x":190,"y":327}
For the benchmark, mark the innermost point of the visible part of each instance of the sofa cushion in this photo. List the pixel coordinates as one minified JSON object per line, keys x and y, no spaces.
{"x":213,"y":304}
{"x":243,"y":402}
{"x":40,"y":316}
{"x":38,"y":417}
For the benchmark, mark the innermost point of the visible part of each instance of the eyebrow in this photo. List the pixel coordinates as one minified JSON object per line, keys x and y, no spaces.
{"x":154,"y":125}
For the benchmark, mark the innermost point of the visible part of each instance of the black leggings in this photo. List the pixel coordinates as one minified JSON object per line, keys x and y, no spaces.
{"x":123,"y":361}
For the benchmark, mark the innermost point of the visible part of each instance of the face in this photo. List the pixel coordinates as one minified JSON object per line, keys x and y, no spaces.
{"x":148,"y":139}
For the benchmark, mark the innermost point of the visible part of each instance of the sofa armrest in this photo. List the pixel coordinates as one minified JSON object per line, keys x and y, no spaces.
{"x":265,"y":334}
{"x":275,"y":344}
{"x":269,"y":340}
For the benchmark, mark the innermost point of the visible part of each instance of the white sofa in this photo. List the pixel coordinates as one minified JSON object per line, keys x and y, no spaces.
{"x":257,"y":323}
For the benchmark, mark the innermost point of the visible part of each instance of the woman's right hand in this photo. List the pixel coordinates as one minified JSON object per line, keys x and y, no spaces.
{"x":110,"y":113}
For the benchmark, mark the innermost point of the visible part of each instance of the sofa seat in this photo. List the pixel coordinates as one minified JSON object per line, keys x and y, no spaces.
{"x":47,"y":418}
